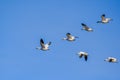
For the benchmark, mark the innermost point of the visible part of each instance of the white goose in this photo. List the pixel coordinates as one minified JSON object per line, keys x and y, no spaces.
{"x":70,"y":37}
{"x":85,"y":27}
{"x":104,"y":19}
{"x":43,"y":47}
{"x":111,"y":59}
{"x":85,"y":54}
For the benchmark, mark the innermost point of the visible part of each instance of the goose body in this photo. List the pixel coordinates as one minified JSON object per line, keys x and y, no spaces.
{"x":83,"y":54}
{"x":70,"y":37}
{"x":44,"y":46}
{"x":111,"y":59}
{"x":85,"y":27}
{"x":104,"y":19}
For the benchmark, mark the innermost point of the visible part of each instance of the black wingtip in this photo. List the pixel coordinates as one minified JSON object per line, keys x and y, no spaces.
{"x":83,"y":24}
{"x":41,"y":40}
{"x":85,"y":58}
{"x":98,"y":22}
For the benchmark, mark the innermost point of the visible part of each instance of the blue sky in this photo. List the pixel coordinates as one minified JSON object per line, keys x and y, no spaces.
{"x":24,"y":22}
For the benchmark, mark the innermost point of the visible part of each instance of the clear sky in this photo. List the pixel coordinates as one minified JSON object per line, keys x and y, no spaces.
{"x":24,"y":22}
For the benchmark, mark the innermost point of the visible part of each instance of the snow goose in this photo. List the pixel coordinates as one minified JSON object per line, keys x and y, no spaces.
{"x":44,"y":46}
{"x":70,"y":37}
{"x":111,"y":59}
{"x":104,"y":19}
{"x":85,"y":54}
{"x":85,"y":27}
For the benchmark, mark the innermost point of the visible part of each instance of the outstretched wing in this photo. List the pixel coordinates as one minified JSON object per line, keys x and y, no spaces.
{"x":42,"y":43}
{"x":47,"y":45}
{"x":86,"y":57}
{"x":85,"y":26}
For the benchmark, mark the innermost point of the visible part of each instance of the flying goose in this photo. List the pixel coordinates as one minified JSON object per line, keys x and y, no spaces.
{"x":104,"y":19}
{"x":70,"y":37}
{"x":44,"y":47}
{"x":111,"y":59}
{"x":85,"y":54}
{"x":85,"y":27}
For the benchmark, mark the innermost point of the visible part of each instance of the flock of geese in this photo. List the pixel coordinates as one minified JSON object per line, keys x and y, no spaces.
{"x":70,"y":37}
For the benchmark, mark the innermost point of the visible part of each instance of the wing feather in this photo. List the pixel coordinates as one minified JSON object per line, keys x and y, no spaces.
{"x":86,"y":57}
{"x":42,"y":43}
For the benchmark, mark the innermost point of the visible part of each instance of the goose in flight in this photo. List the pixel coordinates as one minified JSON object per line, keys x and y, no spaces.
{"x":44,"y":46}
{"x":111,"y":59}
{"x":85,"y":54}
{"x":85,"y":27}
{"x":70,"y":37}
{"x":104,"y":19}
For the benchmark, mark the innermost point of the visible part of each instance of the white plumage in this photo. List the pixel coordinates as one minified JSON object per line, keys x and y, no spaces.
{"x":85,"y":54}
{"x":43,"y":47}
{"x":70,"y":37}
{"x":104,"y":19}
{"x":111,"y":59}
{"x":85,"y":27}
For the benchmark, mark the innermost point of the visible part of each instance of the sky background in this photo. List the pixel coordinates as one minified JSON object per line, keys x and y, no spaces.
{"x":24,"y":22}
